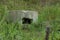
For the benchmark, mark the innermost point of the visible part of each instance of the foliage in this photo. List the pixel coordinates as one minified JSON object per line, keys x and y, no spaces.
{"x":13,"y":31}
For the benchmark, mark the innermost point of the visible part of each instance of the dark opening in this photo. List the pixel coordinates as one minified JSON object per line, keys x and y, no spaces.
{"x":26,"y":21}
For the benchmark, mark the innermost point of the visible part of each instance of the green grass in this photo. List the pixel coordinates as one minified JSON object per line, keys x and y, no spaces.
{"x":13,"y":31}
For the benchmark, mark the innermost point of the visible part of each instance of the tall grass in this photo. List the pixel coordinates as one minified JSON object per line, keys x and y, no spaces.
{"x":13,"y":31}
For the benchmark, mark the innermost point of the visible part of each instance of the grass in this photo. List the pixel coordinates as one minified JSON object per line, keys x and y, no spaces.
{"x":13,"y":31}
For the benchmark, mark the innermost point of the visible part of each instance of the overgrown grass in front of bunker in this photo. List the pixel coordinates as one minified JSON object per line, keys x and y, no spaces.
{"x":13,"y":31}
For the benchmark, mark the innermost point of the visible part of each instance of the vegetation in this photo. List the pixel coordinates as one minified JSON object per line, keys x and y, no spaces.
{"x":13,"y":31}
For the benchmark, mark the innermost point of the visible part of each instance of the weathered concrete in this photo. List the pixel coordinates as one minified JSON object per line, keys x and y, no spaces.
{"x":18,"y":15}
